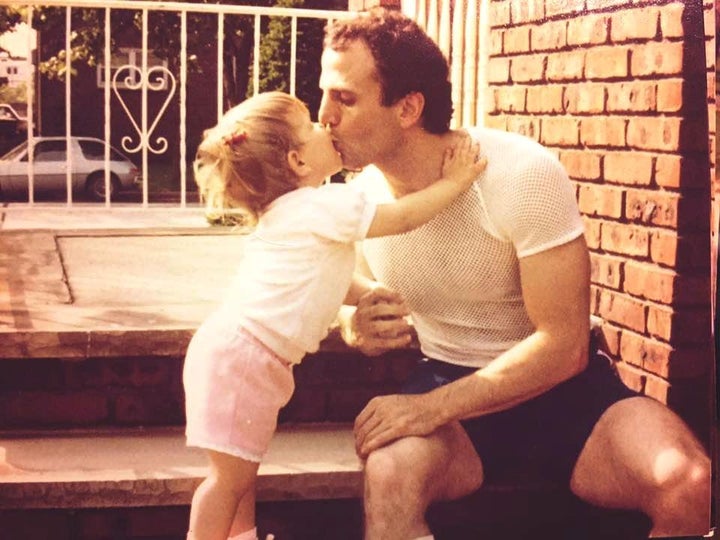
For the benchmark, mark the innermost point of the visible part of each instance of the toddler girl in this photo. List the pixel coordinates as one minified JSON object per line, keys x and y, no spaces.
{"x":266,"y":157}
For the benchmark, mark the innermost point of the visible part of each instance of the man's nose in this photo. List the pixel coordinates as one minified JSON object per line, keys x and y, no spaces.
{"x":326,"y":115}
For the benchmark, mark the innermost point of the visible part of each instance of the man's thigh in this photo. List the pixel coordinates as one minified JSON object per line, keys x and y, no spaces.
{"x":632,"y":448}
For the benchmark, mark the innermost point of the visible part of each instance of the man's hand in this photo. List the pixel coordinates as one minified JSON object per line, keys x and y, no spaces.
{"x":378,"y":324}
{"x":388,"y":418}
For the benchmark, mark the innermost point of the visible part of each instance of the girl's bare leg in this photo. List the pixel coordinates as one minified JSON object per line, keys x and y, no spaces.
{"x":221,"y":501}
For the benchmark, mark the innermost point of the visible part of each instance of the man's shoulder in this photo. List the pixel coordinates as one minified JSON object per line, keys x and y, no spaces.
{"x":507,"y":141}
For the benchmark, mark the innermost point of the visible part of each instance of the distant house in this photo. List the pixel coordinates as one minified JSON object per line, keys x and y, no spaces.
{"x":14,"y":71}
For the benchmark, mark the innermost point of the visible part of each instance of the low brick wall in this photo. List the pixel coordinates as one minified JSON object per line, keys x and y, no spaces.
{"x":100,"y":392}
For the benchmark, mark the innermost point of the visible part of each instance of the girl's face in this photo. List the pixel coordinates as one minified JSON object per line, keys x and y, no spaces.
{"x":317,"y":155}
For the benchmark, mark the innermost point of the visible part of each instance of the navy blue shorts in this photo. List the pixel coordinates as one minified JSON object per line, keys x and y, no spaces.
{"x":539,"y":440}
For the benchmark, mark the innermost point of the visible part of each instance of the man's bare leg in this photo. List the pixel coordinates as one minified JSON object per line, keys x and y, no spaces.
{"x":403,"y":478}
{"x":641,"y":455}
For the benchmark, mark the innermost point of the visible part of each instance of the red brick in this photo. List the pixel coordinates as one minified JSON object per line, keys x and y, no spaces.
{"x":659,"y":133}
{"x":549,"y":36}
{"x":650,"y":354}
{"x":157,"y":408}
{"x":667,"y":171}
{"x":498,"y":70}
{"x":657,"y":388}
{"x":157,"y":522}
{"x":606,"y":270}
{"x":545,"y":99}
{"x":710,"y":17}
{"x":633,"y":168}
{"x":563,"y":7}
{"x":688,"y":325}
{"x":592,"y":232}
{"x":587,"y":30}
{"x":496,"y":42}
{"x":522,"y":11}
{"x":594,"y":295}
{"x":585,"y":98}
{"x":670,"y":95}
{"x":29,"y":409}
{"x":652,"y":207}
{"x":581,"y":164}
{"x":593,"y":5}
{"x":622,"y":310}
{"x":648,"y":281}
{"x":633,"y":377}
{"x":634,"y":96}
{"x":524,"y":125}
{"x":662,"y":359}
{"x":496,"y":122}
{"x":671,"y":23}
{"x":529,"y":68}
{"x":625,"y":239}
{"x":635,"y":24}
{"x":611,"y":337}
{"x":659,"y":322}
{"x":607,"y":62}
{"x":603,"y":131}
{"x":687,"y":252}
{"x":490,"y":99}
{"x":566,"y":66}
{"x":601,"y":201}
{"x":516,"y":40}
{"x":499,"y":13}
{"x":511,"y":98}
{"x":559,"y":130}
{"x":656,"y":59}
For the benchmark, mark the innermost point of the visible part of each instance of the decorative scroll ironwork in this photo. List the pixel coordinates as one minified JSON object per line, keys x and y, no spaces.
{"x":153,"y":79}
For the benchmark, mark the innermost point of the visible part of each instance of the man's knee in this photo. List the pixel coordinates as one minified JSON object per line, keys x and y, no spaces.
{"x":682,"y":482}
{"x":384,"y":470}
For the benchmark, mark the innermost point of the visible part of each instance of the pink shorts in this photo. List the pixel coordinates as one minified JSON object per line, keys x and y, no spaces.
{"x":234,"y":388}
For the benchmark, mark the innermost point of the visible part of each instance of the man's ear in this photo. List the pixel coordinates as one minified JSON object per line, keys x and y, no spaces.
{"x":297,"y":165}
{"x":410,"y":108}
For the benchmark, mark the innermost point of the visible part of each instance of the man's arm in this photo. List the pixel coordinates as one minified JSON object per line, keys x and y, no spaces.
{"x":556,"y":289}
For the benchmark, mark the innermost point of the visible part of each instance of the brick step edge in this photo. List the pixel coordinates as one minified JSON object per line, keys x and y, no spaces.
{"x":154,"y":467}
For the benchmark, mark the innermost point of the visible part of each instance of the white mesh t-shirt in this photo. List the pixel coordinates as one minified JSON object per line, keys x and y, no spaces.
{"x":459,"y":272}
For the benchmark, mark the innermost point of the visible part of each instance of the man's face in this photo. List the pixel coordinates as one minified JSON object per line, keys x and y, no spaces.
{"x":363,"y":130}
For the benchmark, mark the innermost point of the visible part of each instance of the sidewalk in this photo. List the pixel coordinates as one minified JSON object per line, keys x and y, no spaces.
{"x":90,"y":281}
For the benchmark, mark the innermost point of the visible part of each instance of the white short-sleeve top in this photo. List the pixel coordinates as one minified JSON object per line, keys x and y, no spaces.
{"x":297,"y":267}
{"x":459,"y":272}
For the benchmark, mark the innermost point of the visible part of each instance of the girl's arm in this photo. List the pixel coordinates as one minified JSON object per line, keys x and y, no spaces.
{"x":460,"y":168}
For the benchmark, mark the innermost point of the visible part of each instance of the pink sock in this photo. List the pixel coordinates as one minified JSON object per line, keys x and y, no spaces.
{"x":247,"y":535}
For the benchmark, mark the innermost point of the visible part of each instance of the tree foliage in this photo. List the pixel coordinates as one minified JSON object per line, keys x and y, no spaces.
{"x":87,"y":41}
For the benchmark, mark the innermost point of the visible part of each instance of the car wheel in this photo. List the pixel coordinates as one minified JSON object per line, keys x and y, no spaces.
{"x":95,"y":186}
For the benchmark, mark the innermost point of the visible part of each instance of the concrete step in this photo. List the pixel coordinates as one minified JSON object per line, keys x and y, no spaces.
{"x":138,"y":483}
{"x":153,"y":467}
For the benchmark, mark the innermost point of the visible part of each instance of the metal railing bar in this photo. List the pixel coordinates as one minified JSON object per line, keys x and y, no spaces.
{"x":183,"y":109}
{"x":68,"y":104}
{"x":293,"y":54}
{"x":106,"y":104}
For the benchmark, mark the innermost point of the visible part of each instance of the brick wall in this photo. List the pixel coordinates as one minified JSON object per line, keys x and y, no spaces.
{"x":619,"y":91}
{"x":331,"y":386}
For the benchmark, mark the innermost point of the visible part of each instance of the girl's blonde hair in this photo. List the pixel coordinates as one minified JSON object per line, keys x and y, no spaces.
{"x":242,"y":162}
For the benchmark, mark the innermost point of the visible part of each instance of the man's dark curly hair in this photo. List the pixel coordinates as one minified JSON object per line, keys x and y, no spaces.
{"x":406,"y":60}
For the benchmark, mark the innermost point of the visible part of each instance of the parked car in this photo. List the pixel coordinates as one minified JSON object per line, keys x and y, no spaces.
{"x":50,"y":162}
{"x":13,"y":127}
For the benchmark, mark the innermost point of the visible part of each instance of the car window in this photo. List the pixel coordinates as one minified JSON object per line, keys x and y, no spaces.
{"x":50,"y":151}
{"x":95,"y":151}
{"x":15,"y":152}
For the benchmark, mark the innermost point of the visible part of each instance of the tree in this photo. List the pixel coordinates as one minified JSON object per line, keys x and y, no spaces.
{"x":87,"y":43}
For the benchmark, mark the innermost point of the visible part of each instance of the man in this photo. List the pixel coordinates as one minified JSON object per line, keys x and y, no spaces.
{"x":498,"y":288}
